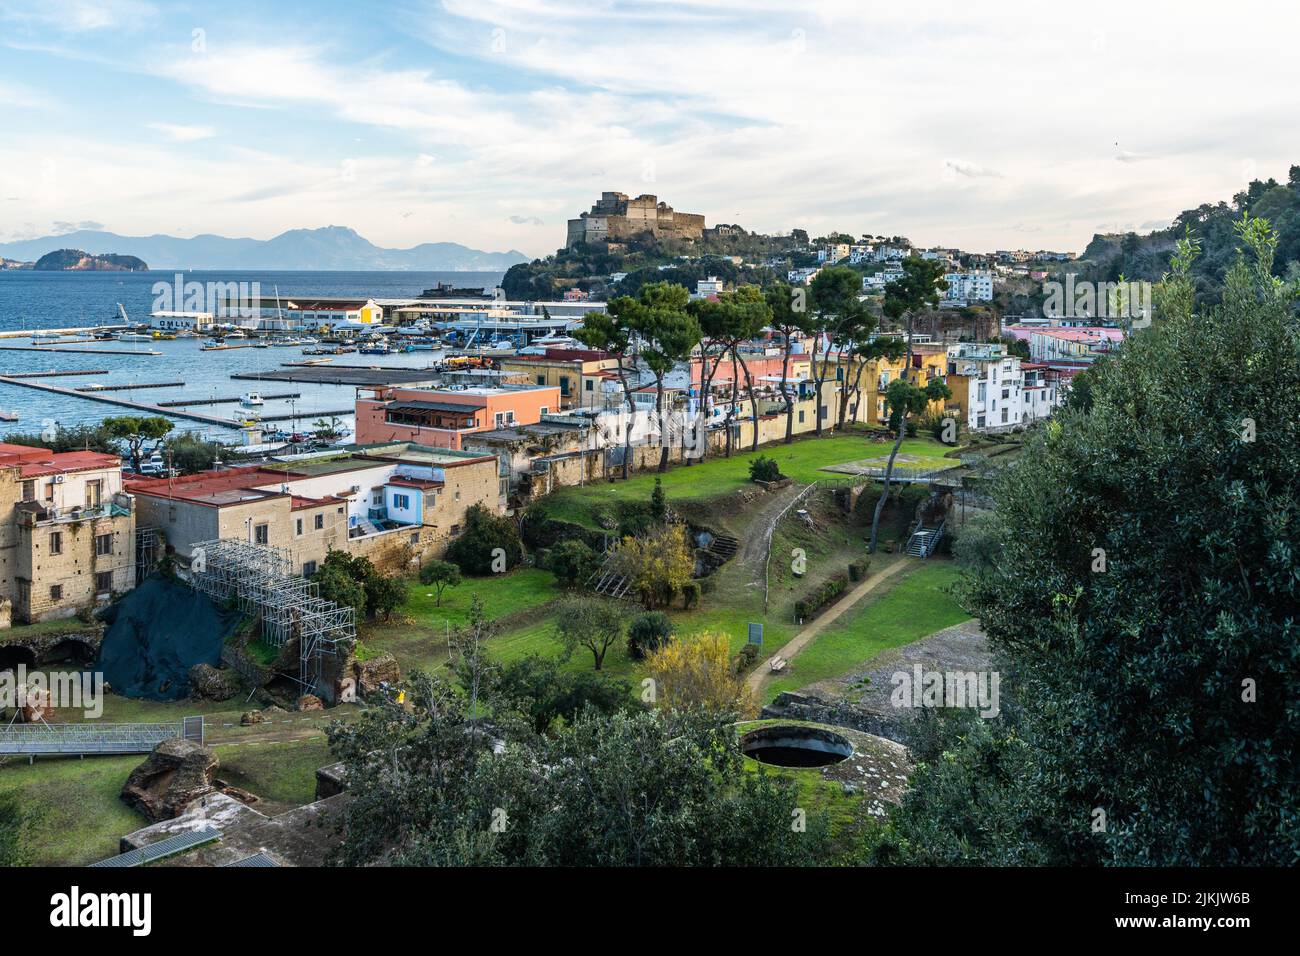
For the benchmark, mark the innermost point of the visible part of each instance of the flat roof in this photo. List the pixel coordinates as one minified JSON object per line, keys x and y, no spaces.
{"x":419,"y":405}
{"x":35,"y":462}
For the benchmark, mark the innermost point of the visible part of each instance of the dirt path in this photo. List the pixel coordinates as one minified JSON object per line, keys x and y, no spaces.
{"x":896,"y":563}
{"x":758,"y":536}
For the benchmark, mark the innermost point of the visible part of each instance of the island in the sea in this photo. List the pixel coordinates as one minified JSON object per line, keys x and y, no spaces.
{"x":74,"y":260}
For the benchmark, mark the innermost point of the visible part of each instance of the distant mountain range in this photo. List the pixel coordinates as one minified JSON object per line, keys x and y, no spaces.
{"x":329,"y":248}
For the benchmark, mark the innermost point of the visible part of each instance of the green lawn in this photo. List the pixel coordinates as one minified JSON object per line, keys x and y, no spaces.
{"x":80,"y":814}
{"x":420,"y":639}
{"x":917,"y":605}
{"x":802,"y":460}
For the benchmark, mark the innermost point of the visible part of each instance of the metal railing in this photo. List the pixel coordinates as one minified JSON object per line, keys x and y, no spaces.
{"x":88,"y":738}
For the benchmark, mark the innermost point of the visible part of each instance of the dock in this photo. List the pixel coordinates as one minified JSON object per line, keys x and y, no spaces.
{"x":363,"y":375}
{"x":123,"y":403}
{"x":307,"y":416}
{"x":266,"y":396}
{"x":77,"y":330}
{"x":53,"y":372}
{"x":127,"y":388}
{"x":69,"y":348}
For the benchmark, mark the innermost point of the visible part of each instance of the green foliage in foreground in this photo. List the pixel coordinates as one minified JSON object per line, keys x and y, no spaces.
{"x":1144,"y":595}
{"x":623,"y":789}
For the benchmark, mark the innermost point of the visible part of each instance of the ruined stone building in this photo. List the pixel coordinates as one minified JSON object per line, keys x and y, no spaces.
{"x":616,"y":218}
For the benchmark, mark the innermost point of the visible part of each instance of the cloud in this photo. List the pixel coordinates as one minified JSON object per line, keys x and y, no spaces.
{"x":526,"y":221}
{"x":77,"y":16}
{"x":62,"y":228}
{"x":962,"y":167}
{"x":183,"y":133}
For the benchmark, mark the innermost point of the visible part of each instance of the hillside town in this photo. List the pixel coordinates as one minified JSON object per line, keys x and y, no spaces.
{"x":459,"y":442}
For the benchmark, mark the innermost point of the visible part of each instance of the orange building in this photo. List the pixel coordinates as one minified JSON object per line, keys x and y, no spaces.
{"x":440,"y":418}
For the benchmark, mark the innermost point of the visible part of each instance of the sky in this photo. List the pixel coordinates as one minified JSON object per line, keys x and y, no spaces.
{"x":491,"y":122}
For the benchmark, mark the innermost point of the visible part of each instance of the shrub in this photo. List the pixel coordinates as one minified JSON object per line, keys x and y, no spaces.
{"x":690,"y":594}
{"x":746,"y":659}
{"x":484,"y":533}
{"x":763,"y":468}
{"x":573,"y":562}
{"x":648,"y":632}
{"x":808,"y":606}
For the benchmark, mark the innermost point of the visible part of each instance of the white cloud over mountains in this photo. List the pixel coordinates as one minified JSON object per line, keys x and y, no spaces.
{"x":975,"y":125}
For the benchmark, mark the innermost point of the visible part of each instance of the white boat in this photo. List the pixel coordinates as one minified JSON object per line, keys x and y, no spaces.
{"x":251,"y":398}
{"x":134,"y":337}
{"x":45,"y":336}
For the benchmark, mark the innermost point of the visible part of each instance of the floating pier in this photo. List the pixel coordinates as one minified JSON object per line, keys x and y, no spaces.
{"x":53,"y":372}
{"x":68,"y":348}
{"x":127,"y":388}
{"x":124,"y":403}
{"x":266,"y":396}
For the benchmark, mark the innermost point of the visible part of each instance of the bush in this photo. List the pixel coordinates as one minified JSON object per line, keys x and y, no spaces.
{"x":475,"y":550}
{"x":573,"y":562}
{"x":690,"y":594}
{"x":763,"y":468}
{"x":807,"y":607}
{"x":747,"y":658}
{"x":648,"y":632}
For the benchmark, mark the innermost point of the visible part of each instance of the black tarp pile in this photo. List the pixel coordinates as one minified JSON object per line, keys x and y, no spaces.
{"x":156,"y":633}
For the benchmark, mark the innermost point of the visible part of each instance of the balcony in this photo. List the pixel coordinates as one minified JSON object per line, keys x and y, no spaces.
{"x":33,"y":513}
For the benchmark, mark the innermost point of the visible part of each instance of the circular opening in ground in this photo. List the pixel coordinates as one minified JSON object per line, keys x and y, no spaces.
{"x":794,"y":746}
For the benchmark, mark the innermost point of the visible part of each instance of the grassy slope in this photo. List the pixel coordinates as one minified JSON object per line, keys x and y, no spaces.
{"x":801,"y":460}
{"x":917,"y":605}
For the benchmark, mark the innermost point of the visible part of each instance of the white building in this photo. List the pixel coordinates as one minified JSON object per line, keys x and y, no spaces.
{"x":181,"y":321}
{"x":802,"y":276}
{"x":988,"y":385}
{"x":969,"y":286}
{"x":833,"y":253}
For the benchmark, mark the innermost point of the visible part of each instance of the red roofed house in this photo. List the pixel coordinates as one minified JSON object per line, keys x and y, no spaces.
{"x":386,"y":501}
{"x":67,"y":536}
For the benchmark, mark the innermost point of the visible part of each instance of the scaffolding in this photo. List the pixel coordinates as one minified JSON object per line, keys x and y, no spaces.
{"x":261,"y":580}
{"x":148,"y":547}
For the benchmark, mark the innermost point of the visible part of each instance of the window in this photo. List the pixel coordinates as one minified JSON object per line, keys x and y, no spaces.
{"x":589,"y":385}
{"x":103,"y":582}
{"x":564,"y":385}
{"x":56,"y":542}
{"x":319,"y":522}
{"x":262,"y":534}
{"x":541,"y":380}
{"x":24,"y":591}
{"x":457,"y":494}
{"x":1004,"y":413}
{"x":103,"y":545}
{"x":298,"y":526}
{"x":415,"y":538}
{"x":377,"y":497}
{"x":455,"y":530}
{"x":801,"y":416}
{"x":543,"y":410}
{"x":308,"y":568}
{"x":56,"y":592}
{"x":499,"y":419}
{"x":401,"y":502}
{"x":94,"y":493}
{"x":29,"y":490}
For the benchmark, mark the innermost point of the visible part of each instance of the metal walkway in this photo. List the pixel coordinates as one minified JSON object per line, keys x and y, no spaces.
{"x":179,"y":843}
{"x":42,"y":739}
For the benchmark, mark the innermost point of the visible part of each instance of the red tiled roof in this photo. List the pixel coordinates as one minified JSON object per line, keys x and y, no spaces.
{"x":35,"y":462}
{"x":424,"y":483}
{"x":574,"y":355}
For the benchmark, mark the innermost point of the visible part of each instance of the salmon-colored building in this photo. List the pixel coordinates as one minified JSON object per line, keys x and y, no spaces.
{"x":440,"y":418}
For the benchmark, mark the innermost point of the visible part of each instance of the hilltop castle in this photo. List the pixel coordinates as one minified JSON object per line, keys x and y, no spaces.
{"x":615,"y":218}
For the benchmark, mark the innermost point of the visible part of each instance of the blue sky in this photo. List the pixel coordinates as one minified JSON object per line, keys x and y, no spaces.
{"x":491,"y":122}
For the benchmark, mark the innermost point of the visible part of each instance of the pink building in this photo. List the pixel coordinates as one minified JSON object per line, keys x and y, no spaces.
{"x":441,"y":419}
